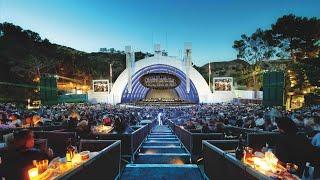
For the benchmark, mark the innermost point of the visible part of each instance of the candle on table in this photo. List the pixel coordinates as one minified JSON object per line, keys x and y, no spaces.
{"x":33,"y":173}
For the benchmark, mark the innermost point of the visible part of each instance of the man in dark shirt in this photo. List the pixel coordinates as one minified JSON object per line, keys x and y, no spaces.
{"x":294,"y":148}
{"x":17,"y":160}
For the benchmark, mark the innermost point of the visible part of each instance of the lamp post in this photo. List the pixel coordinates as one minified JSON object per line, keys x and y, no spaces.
{"x":110,"y":75}
{"x":28,"y":107}
{"x":209,"y":73}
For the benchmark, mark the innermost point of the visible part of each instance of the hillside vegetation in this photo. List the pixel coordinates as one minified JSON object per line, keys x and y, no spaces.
{"x":24,"y":55}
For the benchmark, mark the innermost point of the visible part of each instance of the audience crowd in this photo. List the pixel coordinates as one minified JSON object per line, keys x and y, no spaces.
{"x":205,"y":118}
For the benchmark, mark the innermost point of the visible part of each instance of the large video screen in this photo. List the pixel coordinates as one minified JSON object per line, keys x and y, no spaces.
{"x":223,"y":84}
{"x":100,"y":85}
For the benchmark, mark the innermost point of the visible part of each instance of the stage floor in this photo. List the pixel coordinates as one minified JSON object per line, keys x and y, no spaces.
{"x":166,"y":105}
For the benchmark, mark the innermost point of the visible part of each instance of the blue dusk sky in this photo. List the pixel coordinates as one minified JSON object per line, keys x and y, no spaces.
{"x":210,"y":25}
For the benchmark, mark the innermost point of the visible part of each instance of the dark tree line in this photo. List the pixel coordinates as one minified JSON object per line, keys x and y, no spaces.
{"x":291,"y":37}
{"x":24,"y":55}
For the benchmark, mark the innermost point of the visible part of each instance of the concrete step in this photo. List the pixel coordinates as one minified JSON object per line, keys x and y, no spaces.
{"x":156,"y":150}
{"x":161,"y":172}
{"x":163,"y":158}
{"x":157,"y":146}
{"x":161,"y":136}
{"x":161,"y":132}
{"x":164,"y":133}
{"x":161,"y":143}
{"x":162,"y":139}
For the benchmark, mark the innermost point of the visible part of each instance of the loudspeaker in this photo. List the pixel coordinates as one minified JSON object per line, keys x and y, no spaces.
{"x":273,"y":89}
{"x":48,"y":90}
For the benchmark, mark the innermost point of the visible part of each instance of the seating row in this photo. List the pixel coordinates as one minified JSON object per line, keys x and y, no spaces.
{"x":219,"y":164}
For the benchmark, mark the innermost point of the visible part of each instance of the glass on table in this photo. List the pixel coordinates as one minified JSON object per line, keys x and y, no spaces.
{"x":33,"y":173}
{"x":291,"y":168}
{"x":42,"y":165}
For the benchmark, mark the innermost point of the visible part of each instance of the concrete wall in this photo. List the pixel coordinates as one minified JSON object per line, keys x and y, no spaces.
{"x":98,"y":97}
{"x":245,"y":94}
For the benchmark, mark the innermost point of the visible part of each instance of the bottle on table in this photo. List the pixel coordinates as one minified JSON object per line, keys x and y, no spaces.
{"x":240,"y":148}
{"x":71,"y":150}
{"x":307,"y":172}
{"x":265,"y":148}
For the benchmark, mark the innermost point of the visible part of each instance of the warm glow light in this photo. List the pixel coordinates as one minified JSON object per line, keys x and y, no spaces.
{"x":33,"y":173}
{"x":76,"y":159}
{"x":268,"y":163}
{"x":37,"y":79}
{"x":102,"y":129}
{"x":263,"y":165}
{"x":150,"y":151}
{"x":291,"y":93}
{"x":177,"y":161}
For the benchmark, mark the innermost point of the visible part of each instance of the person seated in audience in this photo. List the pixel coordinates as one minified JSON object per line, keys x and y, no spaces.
{"x":240,"y":121}
{"x":205,"y":128}
{"x":119,"y":125}
{"x":73,"y":121}
{"x":27,"y":122}
{"x":268,"y":126}
{"x":219,"y":127}
{"x":3,"y":118}
{"x":294,"y":148}
{"x":316,"y":140}
{"x":107,"y":121}
{"x":36,"y":121}
{"x":190,"y":125}
{"x":83,"y":128}
{"x":260,"y":121}
{"x":17,"y":160}
{"x":316,"y":126}
{"x":250,"y":123}
{"x":15,"y":120}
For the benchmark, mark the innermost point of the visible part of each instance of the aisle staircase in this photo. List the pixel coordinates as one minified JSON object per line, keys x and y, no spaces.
{"x":162,"y":156}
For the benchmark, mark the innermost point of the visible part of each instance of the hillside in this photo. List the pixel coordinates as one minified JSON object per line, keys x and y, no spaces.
{"x":235,"y":68}
{"x":24,"y":55}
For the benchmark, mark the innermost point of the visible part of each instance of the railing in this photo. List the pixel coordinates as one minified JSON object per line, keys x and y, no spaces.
{"x":184,"y":136}
{"x":259,"y":140}
{"x":137,"y":138}
{"x":130,"y":142}
{"x":106,"y":164}
{"x":236,"y":131}
{"x":171,"y":125}
{"x":57,"y":140}
{"x":219,"y":164}
{"x":41,"y":128}
{"x":193,"y":141}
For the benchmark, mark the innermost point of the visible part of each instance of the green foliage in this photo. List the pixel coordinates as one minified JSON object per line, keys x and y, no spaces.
{"x":256,"y":47}
{"x":24,"y":55}
{"x":290,"y":37}
{"x":297,"y":35}
{"x":307,"y":69}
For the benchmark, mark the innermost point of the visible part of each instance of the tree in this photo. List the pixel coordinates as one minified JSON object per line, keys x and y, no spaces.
{"x":297,"y":36}
{"x":256,"y":47}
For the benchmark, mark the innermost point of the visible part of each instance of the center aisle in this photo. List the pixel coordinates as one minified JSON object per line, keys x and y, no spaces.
{"x":162,"y":156}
